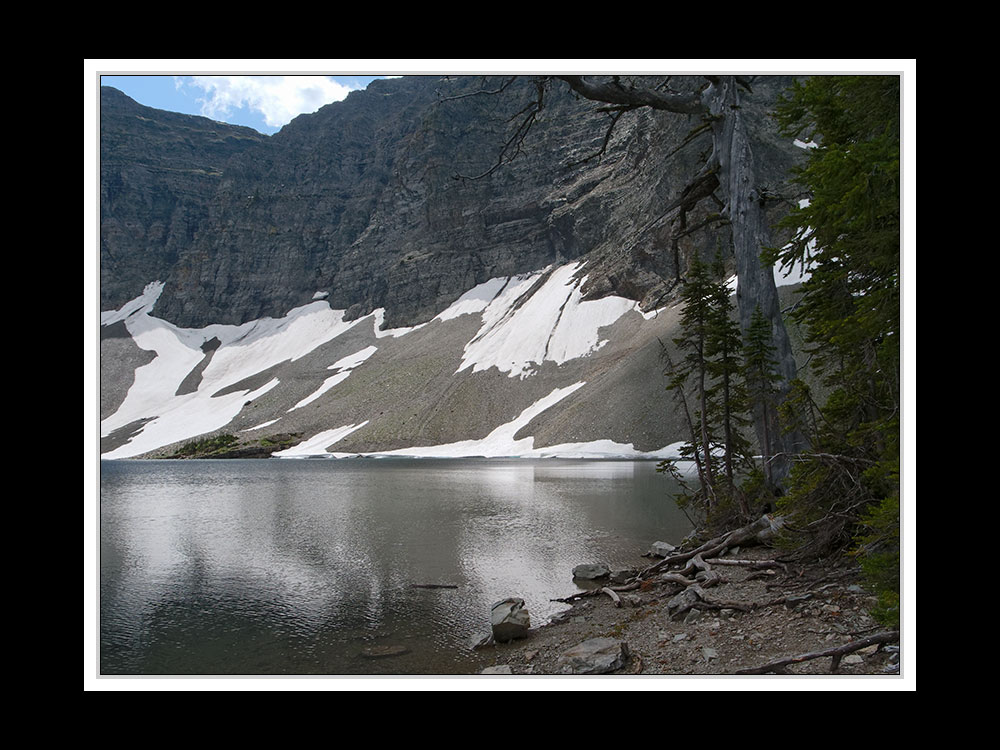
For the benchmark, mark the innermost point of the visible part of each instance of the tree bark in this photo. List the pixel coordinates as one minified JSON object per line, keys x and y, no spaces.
{"x":733,"y":160}
{"x":750,"y":235}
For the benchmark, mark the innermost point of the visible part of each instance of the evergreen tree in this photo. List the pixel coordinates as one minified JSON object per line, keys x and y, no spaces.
{"x":697,"y":317}
{"x":761,"y":378}
{"x":848,"y":235}
{"x":727,"y":397}
{"x":711,"y":371}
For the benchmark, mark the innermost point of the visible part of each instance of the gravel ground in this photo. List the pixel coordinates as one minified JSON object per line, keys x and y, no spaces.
{"x":827,"y":609}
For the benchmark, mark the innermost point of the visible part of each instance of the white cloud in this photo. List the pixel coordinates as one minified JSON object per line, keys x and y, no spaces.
{"x":277,"y":98}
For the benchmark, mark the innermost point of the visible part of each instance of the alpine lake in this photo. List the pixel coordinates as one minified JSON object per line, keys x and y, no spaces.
{"x":353,"y":566}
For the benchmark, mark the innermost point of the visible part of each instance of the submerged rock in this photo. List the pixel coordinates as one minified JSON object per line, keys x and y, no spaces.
{"x":380,"y":652}
{"x":509,"y":619}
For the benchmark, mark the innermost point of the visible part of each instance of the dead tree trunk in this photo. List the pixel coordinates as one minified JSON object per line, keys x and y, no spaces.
{"x":751,"y":234}
{"x":743,"y":199}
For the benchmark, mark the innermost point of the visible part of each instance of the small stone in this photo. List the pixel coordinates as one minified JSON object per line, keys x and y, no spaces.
{"x":709,"y":653}
{"x":854,"y":659}
{"x":680,"y":637}
{"x":692,"y":616}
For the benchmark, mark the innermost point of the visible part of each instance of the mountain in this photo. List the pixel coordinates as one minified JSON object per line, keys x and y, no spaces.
{"x":352,"y":285}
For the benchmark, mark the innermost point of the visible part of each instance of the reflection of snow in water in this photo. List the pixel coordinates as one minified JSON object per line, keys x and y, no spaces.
{"x":302,"y":560}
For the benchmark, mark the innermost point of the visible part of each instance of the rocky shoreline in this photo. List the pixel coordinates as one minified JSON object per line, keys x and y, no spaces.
{"x":794,"y":619}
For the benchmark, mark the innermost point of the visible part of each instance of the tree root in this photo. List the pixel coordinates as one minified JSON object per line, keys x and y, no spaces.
{"x":836,"y":654}
{"x":687,"y":575}
{"x":760,"y":531}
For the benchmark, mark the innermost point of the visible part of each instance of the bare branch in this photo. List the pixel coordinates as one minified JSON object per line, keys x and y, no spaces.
{"x":614,"y":92}
{"x":616,"y":113}
{"x":503,"y":87}
{"x":512,"y":148}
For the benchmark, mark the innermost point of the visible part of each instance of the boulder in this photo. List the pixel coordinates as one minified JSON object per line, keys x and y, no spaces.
{"x":623,"y":576}
{"x":591,"y":571}
{"x":509,"y":619}
{"x":594,"y":656}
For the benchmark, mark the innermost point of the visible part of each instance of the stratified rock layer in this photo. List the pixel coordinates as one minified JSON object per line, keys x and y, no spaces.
{"x":380,"y":201}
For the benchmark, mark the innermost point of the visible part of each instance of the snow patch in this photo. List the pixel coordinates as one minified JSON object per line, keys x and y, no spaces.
{"x":500,"y":443}
{"x":316,"y":446}
{"x":344,"y":367}
{"x":353,"y":360}
{"x":262,"y":425}
{"x":143,"y":303}
{"x":329,"y":383}
{"x":475,"y":300}
{"x":518,"y":333}
{"x":242,"y":351}
{"x":378,"y":316}
{"x":554,"y":324}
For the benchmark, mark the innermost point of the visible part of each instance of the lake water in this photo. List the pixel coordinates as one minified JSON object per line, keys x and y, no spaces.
{"x":263,"y":567}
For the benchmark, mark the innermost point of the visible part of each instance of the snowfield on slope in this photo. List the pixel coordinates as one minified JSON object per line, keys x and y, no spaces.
{"x":518,"y":332}
{"x":553,"y":325}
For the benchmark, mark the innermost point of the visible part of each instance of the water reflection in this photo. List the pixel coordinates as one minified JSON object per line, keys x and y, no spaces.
{"x":269,"y":567}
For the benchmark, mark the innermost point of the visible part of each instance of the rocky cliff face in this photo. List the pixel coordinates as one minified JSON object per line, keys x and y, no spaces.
{"x":370,"y":205}
{"x":159,"y":173}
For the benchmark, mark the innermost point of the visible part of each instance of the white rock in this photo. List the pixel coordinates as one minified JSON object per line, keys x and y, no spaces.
{"x":661,"y":549}
{"x":509,"y":619}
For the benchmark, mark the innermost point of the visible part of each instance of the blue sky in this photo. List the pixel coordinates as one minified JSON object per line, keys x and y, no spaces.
{"x":264,"y":103}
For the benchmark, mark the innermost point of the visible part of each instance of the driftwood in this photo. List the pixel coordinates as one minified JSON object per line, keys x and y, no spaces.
{"x":611,"y":591}
{"x":836,"y":654}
